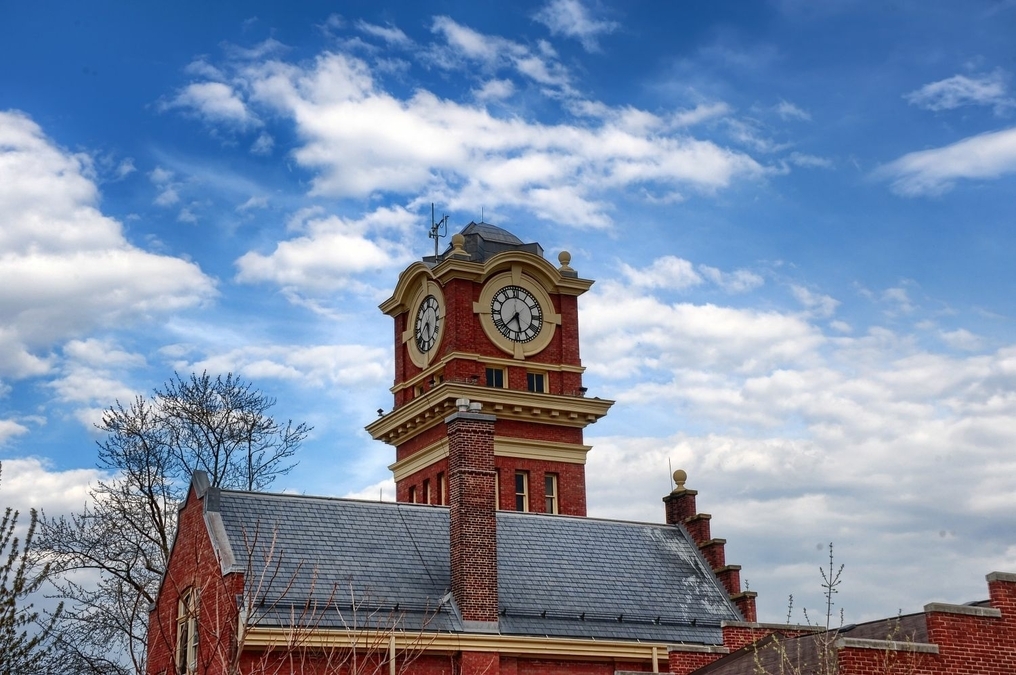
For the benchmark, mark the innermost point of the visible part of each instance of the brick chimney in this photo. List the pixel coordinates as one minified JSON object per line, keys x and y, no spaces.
{"x":680,"y":506}
{"x":472,"y":517}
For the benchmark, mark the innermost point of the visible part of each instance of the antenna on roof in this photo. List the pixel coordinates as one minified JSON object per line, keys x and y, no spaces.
{"x":438,"y":229}
{"x":670,"y":470}
{"x":481,"y":214}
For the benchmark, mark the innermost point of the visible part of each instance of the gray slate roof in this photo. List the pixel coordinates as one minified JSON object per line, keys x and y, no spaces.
{"x":557,"y":575}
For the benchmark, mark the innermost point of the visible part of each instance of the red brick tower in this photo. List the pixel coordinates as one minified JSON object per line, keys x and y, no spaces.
{"x":492,"y":321}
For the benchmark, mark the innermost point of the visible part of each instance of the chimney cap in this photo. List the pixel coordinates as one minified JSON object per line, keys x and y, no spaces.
{"x":680,"y":478}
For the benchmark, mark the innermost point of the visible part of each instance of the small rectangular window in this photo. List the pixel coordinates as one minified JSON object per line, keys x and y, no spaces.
{"x":497,"y":489}
{"x":495,"y":377}
{"x":412,"y":494}
{"x":550,"y":492}
{"x":521,"y":491}
{"x":442,"y":489}
{"x":426,"y":491}
{"x":536,"y":382}
{"x":187,"y":633}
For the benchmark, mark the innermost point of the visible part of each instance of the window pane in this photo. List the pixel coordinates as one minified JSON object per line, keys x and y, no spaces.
{"x":550,"y":490}
{"x":521,"y":491}
{"x":535,"y":382}
{"x":495,"y":378}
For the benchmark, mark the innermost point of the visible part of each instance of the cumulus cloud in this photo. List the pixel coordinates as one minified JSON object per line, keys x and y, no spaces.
{"x":666,"y":272}
{"x":65,"y":268}
{"x":791,"y":435}
{"x":571,"y":19}
{"x":960,"y":90}
{"x":361,"y":140}
{"x":9,"y":429}
{"x":738,"y":281}
{"x":215,"y":102}
{"x":30,"y":483}
{"x":330,"y":250}
{"x":933,"y":172}
{"x":313,"y":365}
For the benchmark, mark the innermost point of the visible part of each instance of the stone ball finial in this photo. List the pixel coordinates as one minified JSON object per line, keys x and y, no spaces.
{"x":458,"y":241}
{"x":564,"y":257}
{"x":680,"y":478}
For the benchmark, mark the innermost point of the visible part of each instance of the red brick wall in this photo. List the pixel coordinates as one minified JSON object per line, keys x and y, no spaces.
{"x":853,"y":661}
{"x":684,"y":663}
{"x":472,"y":523}
{"x":193,"y":564}
{"x":977,"y":644}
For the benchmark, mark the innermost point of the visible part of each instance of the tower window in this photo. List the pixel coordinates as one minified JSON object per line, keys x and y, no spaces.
{"x":412,"y":494}
{"x":536,"y":382}
{"x":442,"y":489}
{"x":426,"y":491}
{"x":187,"y":633}
{"x":495,"y":377}
{"x":550,"y":493}
{"x":521,"y":491}
{"x":497,"y":489}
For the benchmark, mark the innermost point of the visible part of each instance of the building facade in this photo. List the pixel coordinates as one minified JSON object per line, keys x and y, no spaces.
{"x":486,"y":563}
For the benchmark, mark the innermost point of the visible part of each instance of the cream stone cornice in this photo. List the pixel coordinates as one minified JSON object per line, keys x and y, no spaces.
{"x":522,"y":448}
{"x":430,"y":409}
{"x":510,"y":645}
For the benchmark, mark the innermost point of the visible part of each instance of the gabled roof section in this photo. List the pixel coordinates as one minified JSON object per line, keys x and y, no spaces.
{"x":558,"y":576}
{"x":581,"y":577}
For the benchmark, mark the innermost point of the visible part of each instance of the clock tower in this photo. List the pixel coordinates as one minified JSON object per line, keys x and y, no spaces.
{"x":491,"y":322}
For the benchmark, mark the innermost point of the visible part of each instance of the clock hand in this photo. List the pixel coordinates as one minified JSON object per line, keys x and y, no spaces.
{"x":517,"y":320}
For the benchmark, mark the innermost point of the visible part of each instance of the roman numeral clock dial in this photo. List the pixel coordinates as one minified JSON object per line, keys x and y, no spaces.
{"x":516,"y":314}
{"x":426,"y":328}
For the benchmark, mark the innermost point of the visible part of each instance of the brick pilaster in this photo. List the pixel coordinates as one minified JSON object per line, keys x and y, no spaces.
{"x":472,"y":516}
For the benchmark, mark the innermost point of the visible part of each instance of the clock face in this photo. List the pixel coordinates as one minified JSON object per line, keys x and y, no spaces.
{"x":516,"y":314}
{"x":427,"y":324}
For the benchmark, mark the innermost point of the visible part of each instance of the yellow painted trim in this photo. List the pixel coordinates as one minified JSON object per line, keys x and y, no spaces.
{"x":419,"y":460}
{"x":568,"y":453}
{"x":427,"y":411}
{"x":508,"y":645}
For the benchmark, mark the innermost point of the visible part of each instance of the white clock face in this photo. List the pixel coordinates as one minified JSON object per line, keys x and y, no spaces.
{"x":426,"y":328}
{"x":516,"y":314}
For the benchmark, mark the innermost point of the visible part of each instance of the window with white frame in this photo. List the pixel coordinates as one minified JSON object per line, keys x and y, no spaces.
{"x":550,"y":492}
{"x":521,"y":491}
{"x":187,"y":633}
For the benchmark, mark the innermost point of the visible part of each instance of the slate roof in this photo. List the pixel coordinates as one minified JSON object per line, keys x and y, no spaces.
{"x":557,"y":575}
{"x":484,"y":240}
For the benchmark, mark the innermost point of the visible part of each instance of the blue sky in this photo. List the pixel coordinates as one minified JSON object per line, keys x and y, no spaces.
{"x":798,"y":214}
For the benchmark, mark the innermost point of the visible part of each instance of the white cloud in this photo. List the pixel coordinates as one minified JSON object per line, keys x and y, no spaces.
{"x":788,"y":111}
{"x":29,"y":483}
{"x":961,"y":339}
{"x":125,"y":168}
{"x":809,"y":161}
{"x":9,"y":429}
{"x":791,"y":436}
{"x":330,"y":251}
{"x":363,"y":141}
{"x":738,"y":281}
{"x":571,"y":19}
{"x":390,"y":34}
{"x":65,"y":268}
{"x":666,"y":272}
{"x":495,"y":90}
{"x":960,"y":90}
{"x":255,"y":202}
{"x":933,"y":172}
{"x":820,"y":305}
{"x":215,"y":102}
{"x":316,"y":365}
{"x":262,"y":145}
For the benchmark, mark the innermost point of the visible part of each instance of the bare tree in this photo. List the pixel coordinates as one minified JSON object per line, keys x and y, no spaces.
{"x":24,"y":639}
{"x":108,"y":559}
